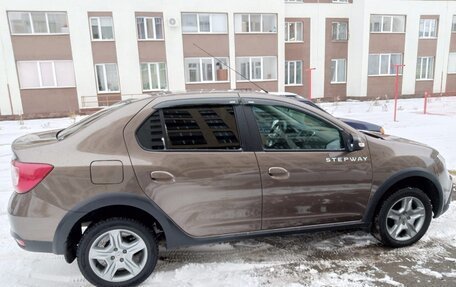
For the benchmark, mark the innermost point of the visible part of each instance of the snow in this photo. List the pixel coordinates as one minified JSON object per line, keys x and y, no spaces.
{"x":319,"y":259}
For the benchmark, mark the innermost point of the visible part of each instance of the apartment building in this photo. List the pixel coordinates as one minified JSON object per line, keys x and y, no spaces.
{"x":64,"y":57}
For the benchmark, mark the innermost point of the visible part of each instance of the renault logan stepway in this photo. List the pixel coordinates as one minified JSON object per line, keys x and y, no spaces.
{"x":190,"y":169}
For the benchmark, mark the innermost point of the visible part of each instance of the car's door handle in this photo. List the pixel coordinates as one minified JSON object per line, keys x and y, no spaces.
{"x":278,"y":173}
{"x":162,"y":176}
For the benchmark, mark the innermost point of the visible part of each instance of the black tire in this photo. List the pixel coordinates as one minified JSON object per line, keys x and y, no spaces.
{"x":97,"y":229}
{"x":381,"y":222}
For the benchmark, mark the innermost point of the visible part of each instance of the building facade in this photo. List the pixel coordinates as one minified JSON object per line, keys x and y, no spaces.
{"x":63,"y":57}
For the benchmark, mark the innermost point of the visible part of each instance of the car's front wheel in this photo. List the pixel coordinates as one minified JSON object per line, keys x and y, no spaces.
{"x":117,"y":252}
{"x":403,"y":218}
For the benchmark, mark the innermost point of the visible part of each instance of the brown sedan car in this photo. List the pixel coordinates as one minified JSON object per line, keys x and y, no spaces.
{"x":197,"y":168}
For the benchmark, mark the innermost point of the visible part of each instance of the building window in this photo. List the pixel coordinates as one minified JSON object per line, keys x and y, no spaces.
{"x":453,"y":27}
{"x":338,"y":71}
{"x":149,"y":28}
{"x":102,"y":28}
{"x":387,"y":24}
{"x":38,"y":22}
{"x":256,"y":23}
{"x":452,"y":63}
{"x":45,"y":74}
{"x":428,"y":28}
{"x":293,"y":73}
{"x":153,"y":76}
{"x":256,"y":68}
{"x":384,"y":64}
{"x":107,"y":78}
{"x":340,"y":31}
{"x":204,"y":23}
{"x":425,"y":68}
{"x":203,"y":70}
{"x":293,"y":31}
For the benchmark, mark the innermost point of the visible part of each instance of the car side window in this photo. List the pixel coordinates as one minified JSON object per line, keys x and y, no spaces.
{"x":150,"y":133}
{"x":283,"y":128}
{"x":191,"y":127}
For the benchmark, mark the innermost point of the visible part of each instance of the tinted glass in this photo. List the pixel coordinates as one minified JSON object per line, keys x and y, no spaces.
{"x":283,"y":128}
{"x":150,"y":134}
{"x":197,"y":127}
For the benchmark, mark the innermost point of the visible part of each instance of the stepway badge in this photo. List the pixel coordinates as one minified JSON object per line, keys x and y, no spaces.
{"x":346,"y":158}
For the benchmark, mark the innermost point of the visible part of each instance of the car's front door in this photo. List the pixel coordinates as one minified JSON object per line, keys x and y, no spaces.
{"x":308,"y":177}
{"x":190,"y":161}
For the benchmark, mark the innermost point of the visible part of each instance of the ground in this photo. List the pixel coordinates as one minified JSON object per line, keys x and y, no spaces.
{"x":349,"y":258}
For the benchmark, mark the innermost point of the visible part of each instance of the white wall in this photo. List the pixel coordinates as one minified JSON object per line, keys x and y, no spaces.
{"x":127,"y":50}
{"x":9,"y":84}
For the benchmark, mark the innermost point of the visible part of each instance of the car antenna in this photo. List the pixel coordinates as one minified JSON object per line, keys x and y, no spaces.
{"x":234,"y":70}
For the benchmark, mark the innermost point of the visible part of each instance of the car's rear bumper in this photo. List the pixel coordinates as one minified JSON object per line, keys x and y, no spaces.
{"x":33,"y":221}
{"x":32,"y":245}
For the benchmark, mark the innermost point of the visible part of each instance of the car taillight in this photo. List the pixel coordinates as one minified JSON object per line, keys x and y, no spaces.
{"x":26,"y":176}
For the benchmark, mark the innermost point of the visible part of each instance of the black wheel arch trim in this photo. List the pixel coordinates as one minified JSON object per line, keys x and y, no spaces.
{"x":395,"y":178}
{"x":106,"y":200}
{"x":175,"y":236}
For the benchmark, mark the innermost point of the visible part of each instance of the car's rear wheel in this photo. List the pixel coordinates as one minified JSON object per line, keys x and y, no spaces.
{"x":117,"y":252}
{"x":403,"y":218}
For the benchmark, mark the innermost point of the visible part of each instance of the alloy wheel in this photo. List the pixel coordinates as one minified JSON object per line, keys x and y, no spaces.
{"x":118,"y":255}
{"x":405,"y":218}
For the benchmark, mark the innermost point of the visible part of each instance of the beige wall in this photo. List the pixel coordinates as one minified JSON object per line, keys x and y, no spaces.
{"x":42,"y":47}
{"x":215,"y":44}
{"x":58,"y":101}
{"x":50,"y":101}
{"x":151,"y":50}
{"x":251,"y":44}
{"x":108,"y":99}
{"x":300,"y":51}
{"x":386,"y":43}
{"x":207,"y":86}
{"x":379,"y":86}
{"x":451,"y":78}
{"x":334,"y":50}
{"x":324,"y":1}
{"x":453,"y":42}
{"x":270,"y":86}
{"x":103,"y":51}
{"x":426,"y":48}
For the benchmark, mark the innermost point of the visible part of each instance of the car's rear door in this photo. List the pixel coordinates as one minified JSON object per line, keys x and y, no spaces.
{"x":191,"y":161}
{"x":308,"y":177}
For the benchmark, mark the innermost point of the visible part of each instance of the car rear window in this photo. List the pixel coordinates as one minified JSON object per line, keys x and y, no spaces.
{"x":193,"y":127}
{"x":90,"y":119}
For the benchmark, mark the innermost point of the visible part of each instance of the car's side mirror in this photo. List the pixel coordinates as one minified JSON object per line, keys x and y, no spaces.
{"x":352,"y":143}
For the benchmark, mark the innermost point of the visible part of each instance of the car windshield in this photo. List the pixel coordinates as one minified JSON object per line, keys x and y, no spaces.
{"x":87,"y":120}
{"x":312,"y":104}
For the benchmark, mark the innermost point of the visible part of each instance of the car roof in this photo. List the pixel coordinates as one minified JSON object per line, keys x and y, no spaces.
{"x":224,"y":96}
{"x":227,"y":94}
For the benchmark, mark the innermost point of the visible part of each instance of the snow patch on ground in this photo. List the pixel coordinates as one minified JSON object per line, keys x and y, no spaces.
{"x":226,"y":274}
{"x":429,"y":272}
